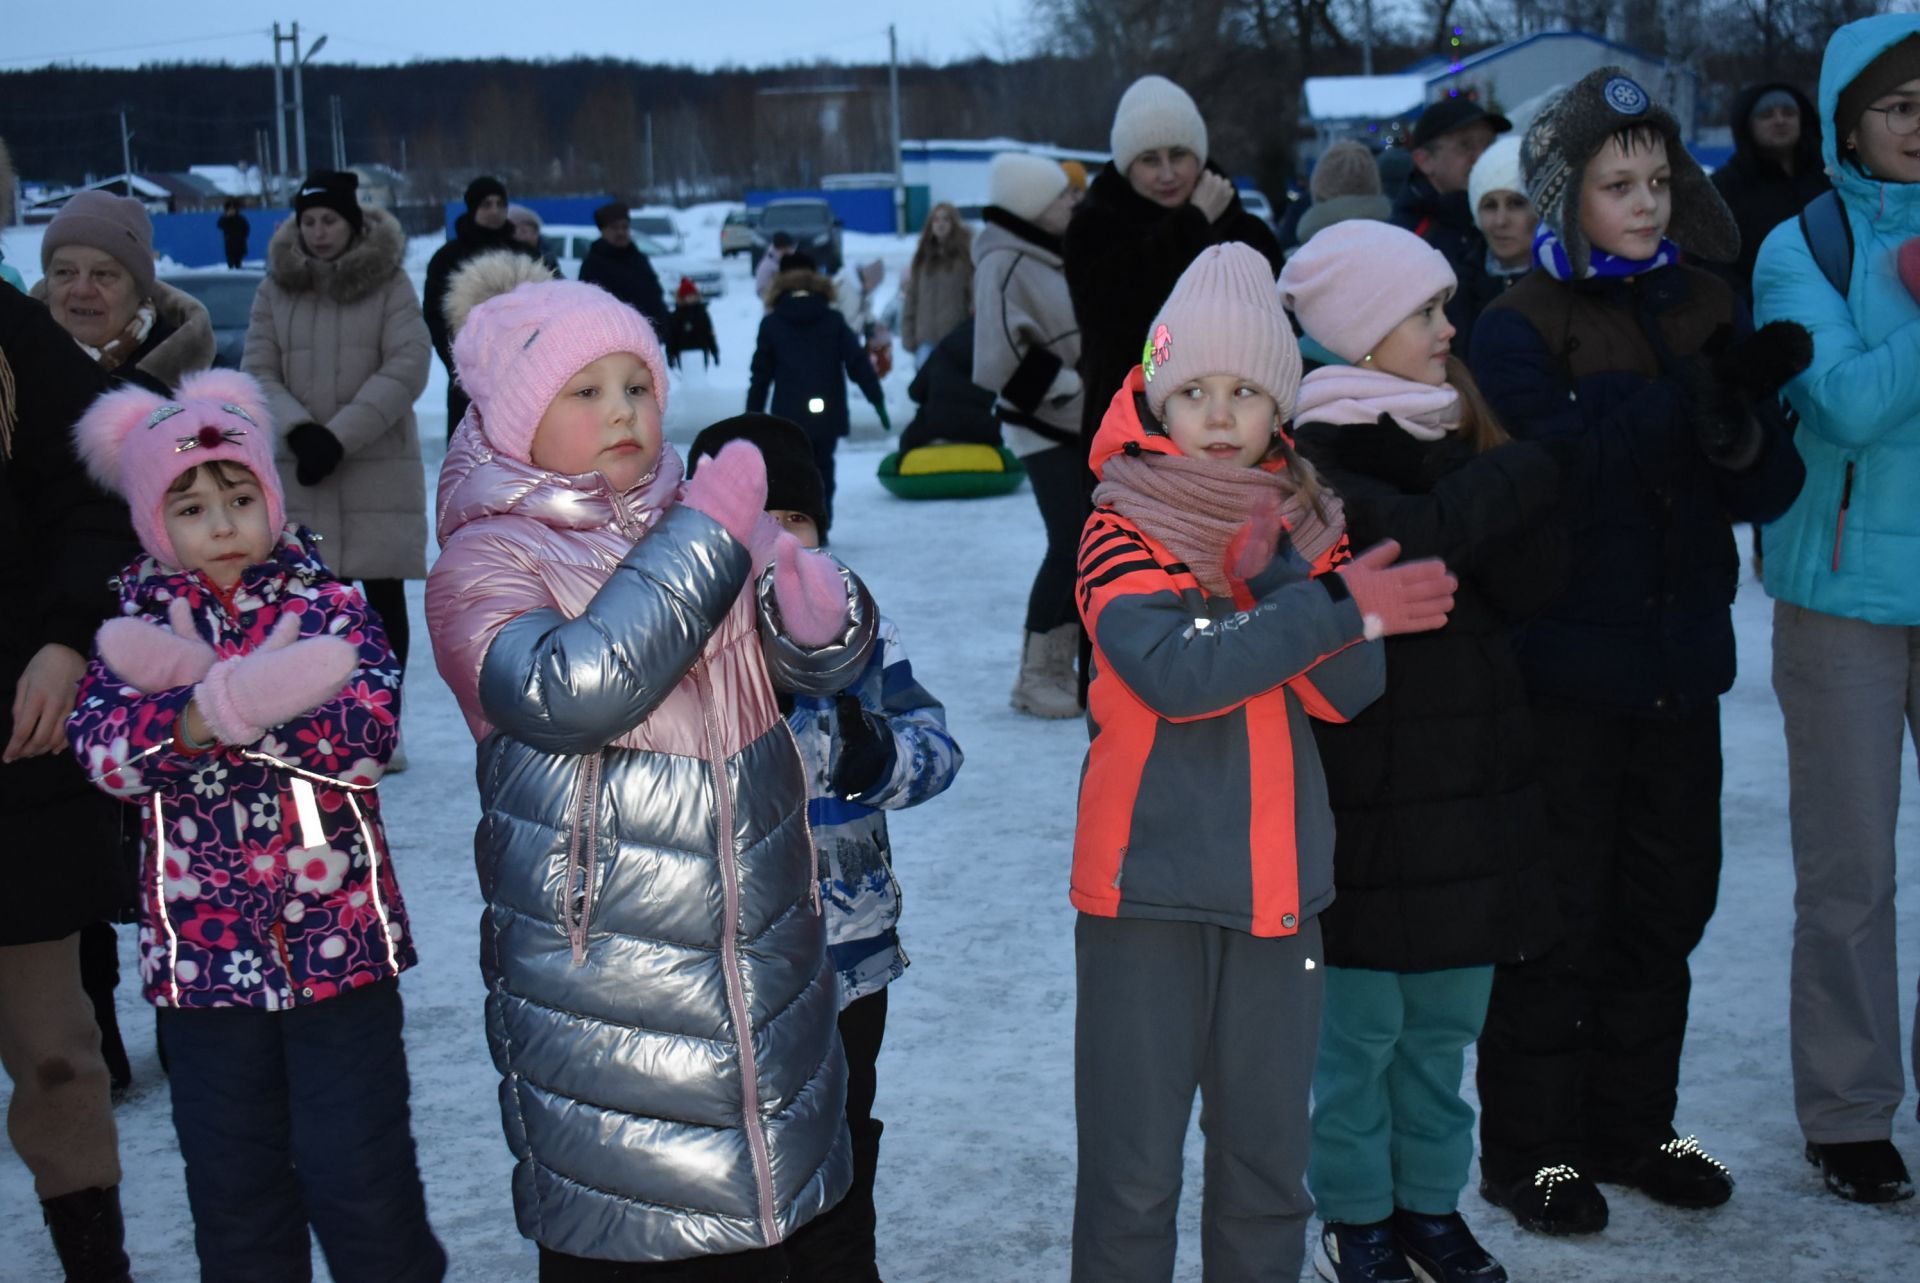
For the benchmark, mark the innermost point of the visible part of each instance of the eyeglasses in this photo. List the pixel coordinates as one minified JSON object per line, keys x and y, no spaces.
{"x":1902,"y":117}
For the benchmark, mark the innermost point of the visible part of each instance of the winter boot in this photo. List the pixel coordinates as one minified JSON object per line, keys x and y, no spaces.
{"x":1360,"y":1254}
{"x":1046,"y":685}
{"x":1556,"y":1200}
{"x":1676,"y":1172}
{"x":1441,"y":1249}
{"x":1864,"y":1171}
{"x":88,"y":1235}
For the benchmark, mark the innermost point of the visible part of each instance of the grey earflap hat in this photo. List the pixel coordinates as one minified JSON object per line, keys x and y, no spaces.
{"x":1569,"y":132}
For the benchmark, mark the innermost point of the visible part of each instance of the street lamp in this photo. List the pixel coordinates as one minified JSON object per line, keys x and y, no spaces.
{"x":299,"y":101}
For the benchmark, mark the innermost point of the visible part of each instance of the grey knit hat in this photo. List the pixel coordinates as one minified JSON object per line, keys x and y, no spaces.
{"x":1573,"y":128}
{"x":116,"y":225}
{"x":1345,"y":169}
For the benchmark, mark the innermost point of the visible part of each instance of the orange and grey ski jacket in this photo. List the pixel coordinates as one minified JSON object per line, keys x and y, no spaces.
{"x":1202,"y":797}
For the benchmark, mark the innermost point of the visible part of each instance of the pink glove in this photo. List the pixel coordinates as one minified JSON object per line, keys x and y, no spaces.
{"x":764,"y":542}
{"x":242,"y":697}
{"x":1253,"y":546}
{"x":1410,"y":598}
{"x":151,"y":658}
{"x":1909,"y":259}
{"x":810,"y":593}
{"x":731,"y":487}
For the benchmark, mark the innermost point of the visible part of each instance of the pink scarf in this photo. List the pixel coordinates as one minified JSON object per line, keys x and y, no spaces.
{"x":1344,"y":394}
{"x":1194,"y":507}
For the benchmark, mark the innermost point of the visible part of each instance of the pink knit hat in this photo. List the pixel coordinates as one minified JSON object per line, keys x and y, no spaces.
{"x":1353,"y":282}
{"x":515,"y":351}
{"x":1223,"y":318}
{"x":135,"y":444}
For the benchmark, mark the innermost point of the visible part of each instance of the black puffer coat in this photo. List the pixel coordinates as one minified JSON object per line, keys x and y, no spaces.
{"x":1440,"y":825}
{"x":628,"y":275}
{"x":804,"y":356}
{"x":61,"y":542}
{"x":1123,"y":255}
{"x":1758,"y":189}
{"x":1446,"y":223}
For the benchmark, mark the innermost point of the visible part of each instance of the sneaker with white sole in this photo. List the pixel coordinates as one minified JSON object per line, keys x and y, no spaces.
{"x":1360,"y":1254}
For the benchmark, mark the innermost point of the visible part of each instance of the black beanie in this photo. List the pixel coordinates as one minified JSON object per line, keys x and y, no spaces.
{"x":337,"y":190}
{"x":482,"y":187}
{"x":1897,"y":64}
{"x":793,"y":480}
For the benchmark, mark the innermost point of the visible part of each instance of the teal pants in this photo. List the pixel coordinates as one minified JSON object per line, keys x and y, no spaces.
{"x":1389,"y":1127}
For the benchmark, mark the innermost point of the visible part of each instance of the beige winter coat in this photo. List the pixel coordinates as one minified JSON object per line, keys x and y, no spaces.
{"x":935,"y":299}
{"x":1025,"y":335}
{"x":342,"y":344}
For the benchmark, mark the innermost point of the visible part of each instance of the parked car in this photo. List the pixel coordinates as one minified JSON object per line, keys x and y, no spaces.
{"x":228,"y":297}
{"x":569,"y":242}
{"x":736,"y":234}
{"x":1255,"y":202}
{"x":815,"y":231}
{"x":657,"y":227}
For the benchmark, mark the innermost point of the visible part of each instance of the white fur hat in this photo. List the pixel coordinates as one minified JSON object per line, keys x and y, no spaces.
{"x":1024,"y":184}
{"x":1497,"y":170}
{"x":1155,"y":112}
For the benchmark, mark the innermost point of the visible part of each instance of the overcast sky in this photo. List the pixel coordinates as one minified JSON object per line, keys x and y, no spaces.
{"x":704,"y":33}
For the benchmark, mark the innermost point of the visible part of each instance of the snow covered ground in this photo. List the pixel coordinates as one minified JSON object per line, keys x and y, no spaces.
{"x":976,"y":1177}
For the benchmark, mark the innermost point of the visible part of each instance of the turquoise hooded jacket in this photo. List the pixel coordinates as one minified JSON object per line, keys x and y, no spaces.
{"x":1850,"y":545}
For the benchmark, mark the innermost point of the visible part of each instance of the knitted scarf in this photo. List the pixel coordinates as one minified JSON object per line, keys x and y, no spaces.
{"x":1194,"y":507}
{"x":112,"y":354}
{"x":1342,"y":394}
{"x":1552,"y":255}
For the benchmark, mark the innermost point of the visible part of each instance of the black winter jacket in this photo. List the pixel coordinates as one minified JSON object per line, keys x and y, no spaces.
{"x":61,"y":542}
{"x":806,"y":352}
{"x":469,"y":239}
{"x":1598,"y":371}
{"x":1439,"y":823}
{"x":952,"y":406}
{"x":1761,"y":193}
{"x":1123,"y":255}
{"x":1446,"y":223}
{"x":628,"y":275}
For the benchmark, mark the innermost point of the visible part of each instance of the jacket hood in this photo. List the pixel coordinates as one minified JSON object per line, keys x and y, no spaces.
{"x":1848,"y":53}
{"x":188,"y":344}
{"x":476,"y":483}
{"x":1127,"y":427}
{"x":366,"y":264}
{"x":1323,"y":214}
{"x":1009,"y":234}
{"x":800,"y":281}
{"x":1812,"y":134}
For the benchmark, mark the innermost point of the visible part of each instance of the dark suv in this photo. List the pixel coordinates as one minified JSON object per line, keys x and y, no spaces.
{"x":815,"y":231}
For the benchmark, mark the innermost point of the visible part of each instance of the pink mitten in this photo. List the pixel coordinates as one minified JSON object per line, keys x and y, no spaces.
{"x":731,"y":487}
{"x":764,"y":542}
{"x":151,"y":658}
{"x":1909,"y":259}
{"x":242,"y":697}
{"x":1253,"y":545}
{"x":1411,"y":597}
{"x":810,"y":593}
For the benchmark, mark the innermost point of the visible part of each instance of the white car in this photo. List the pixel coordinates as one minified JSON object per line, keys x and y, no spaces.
{"x":569,"y":244}
{"x":658,"y":227}
{"x":1255,"y":202}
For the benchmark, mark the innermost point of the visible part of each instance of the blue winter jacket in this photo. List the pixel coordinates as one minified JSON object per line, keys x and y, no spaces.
{"x":850,"y":831}
{"x":1850,"y":545}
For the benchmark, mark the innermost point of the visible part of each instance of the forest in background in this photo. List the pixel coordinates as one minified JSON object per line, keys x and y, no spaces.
{"x":584,"y":125}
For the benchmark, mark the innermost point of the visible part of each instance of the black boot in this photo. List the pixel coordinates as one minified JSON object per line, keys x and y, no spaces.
{"x":88,"y":1235}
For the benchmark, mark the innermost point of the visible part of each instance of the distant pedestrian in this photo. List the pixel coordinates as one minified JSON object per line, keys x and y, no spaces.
{"x":234,"y":230}
{"x":937,"y":293}
{"x":769,"y":266}
{"x":619,"y":266}
{"x":690,"y":328}
{"x":526,"y":227}
{"x":483,"y":227}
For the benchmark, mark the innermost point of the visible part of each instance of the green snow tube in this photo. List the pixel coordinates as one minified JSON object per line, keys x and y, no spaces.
{"x":952,"y":471}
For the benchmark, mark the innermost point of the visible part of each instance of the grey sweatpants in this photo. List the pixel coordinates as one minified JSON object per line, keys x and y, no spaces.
{"x":1164,"y":1008}
{"x":1850,"y":690}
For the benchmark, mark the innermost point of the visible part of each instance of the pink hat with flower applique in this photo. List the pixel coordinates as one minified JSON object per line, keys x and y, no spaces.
{"x":136,"y":444}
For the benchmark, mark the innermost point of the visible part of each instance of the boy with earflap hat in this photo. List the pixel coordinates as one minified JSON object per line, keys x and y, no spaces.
{"x":1640,"y":373}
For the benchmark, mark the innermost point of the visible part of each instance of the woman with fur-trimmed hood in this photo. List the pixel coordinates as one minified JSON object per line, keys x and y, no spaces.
{"x":337,"y":341}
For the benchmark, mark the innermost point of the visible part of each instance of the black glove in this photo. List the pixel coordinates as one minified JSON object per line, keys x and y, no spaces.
{"x":316,"y":452}
{"x":1723,"y":427}
{"x":1765,"y":361}
{"x":866,"y":749}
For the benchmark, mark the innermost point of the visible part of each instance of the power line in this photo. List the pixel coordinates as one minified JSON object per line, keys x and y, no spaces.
{"x":252,"y":33}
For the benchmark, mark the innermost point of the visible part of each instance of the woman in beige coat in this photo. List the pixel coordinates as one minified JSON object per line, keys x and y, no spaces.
{"x":337,"y":341}
{"x":938,"y":292}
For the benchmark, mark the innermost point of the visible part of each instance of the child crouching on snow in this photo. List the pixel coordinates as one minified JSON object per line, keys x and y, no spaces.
{"x":1222,"y":610}
{"x":877,"y":744}
{"x":247,"y":701}
{"x":659,"y":1000}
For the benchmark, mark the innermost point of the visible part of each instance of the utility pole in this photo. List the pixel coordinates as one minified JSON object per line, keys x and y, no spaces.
{"x":126,"y":151}
{"x":893,"y":96}
{"x":337,"y":131}
{"x":299,"y":109}
{"x":649,"y":127}
{"x":279,"y":114}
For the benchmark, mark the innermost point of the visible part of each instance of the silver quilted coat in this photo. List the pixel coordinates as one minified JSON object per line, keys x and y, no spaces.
{"x":646,"y":863}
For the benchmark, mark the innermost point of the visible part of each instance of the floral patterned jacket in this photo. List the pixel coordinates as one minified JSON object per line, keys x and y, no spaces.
{"x":266,"y":880}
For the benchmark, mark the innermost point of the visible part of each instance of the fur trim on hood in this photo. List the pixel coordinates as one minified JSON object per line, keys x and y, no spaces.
{"x":365,"y":265}
{"x":799,"y":281}
{"x":189,"y":345}
{"x":486,"y":276}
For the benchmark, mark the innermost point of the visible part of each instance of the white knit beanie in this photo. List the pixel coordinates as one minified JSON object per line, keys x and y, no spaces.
{"x":1497,"y":170}
{"x":1223,"y":317}
{"x":1024,"y":184}
{"x":1155,"y":112}
{"x":1353,"y":282}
